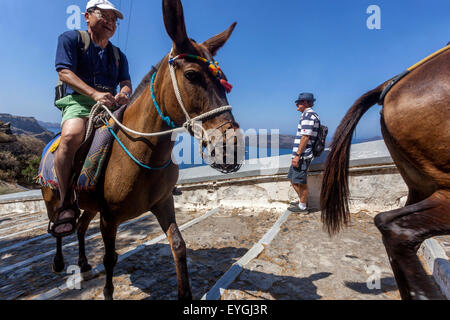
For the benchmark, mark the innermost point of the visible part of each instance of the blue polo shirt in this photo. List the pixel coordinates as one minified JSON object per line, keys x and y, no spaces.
{"x":96,"y":66}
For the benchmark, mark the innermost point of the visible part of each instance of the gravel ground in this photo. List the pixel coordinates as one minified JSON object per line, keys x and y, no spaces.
{"x":213,"y":246}
{"x":304,"y":263}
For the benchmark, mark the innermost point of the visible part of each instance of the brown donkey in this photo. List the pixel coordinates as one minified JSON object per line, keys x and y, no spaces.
{"x":415,"y":122}
{"x":128,"y":190}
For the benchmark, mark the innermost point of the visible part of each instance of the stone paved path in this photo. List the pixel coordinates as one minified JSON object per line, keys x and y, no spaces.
{"x":37,"y":276}
{"x":302,"y":262}
{"x":213,"y":246}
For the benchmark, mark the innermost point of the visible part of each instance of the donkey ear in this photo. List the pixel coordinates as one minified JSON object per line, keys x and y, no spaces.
{"x":217,"y":42}
{"x":175,"y":25}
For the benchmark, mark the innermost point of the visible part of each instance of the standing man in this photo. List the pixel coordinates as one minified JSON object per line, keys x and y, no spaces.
{"x":90,"y":71}
{"x":302,"y":155}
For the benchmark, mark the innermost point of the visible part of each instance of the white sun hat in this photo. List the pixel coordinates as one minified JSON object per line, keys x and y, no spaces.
{"x":105,"y":5}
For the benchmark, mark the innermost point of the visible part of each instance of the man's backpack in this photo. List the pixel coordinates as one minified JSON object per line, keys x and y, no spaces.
{"x":84,"y":41}
{"x":319,"y":145}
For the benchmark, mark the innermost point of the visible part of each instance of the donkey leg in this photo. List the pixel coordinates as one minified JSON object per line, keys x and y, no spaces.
{"x":165,"y":213}
{"x":58,"y":260}
{"x":403,"y":232}
{"x":414,"y":197}
{"x":109,"y":233}
{"x":83,"y":225}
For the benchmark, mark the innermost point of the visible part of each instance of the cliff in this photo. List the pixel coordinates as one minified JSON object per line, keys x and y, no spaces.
{"x":19,"y":156}
{"x":27,"y":126}
{"x":6,"y":135}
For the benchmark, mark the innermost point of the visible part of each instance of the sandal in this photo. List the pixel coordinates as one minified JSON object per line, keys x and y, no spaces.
{"x":72,"y":221}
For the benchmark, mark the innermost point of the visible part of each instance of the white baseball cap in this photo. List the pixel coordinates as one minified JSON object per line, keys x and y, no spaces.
{"x":105,"y":5}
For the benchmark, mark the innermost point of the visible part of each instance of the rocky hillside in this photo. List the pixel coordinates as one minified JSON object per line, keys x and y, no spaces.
{"x":6,"y":133}
{"x":20,"y":156}
{"x":27,"y":126}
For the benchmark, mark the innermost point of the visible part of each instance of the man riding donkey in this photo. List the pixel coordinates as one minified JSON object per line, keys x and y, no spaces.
{"x":90,"y":68}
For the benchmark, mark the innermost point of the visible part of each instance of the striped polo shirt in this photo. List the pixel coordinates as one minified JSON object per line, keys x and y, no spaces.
{"x":308,"y":126}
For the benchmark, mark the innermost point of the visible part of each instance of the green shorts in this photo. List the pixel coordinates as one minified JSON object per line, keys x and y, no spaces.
{"x":75,"y":106}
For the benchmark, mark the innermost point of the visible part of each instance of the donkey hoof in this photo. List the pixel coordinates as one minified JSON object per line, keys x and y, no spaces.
{"x":85,"y":267}
{"x":185,"y":297}
{"x":108,"y":295}
{"x":58,"y":266}
{"x":86,"y":273}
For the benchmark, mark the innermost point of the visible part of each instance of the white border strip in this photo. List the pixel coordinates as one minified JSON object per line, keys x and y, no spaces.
{"x":36,"y":223}
{"x":216,"y":292}
{"x":22,"y":243}
{"x":14,"y":220}
{"x":100,"y":268}
{"x":20,"y":214}
{"x":48,"y":253}
{"x":24,"y":231}
{"x":46,"y":235}
{"x":438,"y":264}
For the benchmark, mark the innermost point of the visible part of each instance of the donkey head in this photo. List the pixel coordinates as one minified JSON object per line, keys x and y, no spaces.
{"x":202,"y":88}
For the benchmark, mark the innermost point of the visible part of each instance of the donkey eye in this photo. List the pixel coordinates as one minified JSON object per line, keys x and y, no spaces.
{"x":193,"y":76}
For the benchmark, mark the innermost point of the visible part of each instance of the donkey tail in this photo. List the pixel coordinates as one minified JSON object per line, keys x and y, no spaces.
{"x":334,"y":194}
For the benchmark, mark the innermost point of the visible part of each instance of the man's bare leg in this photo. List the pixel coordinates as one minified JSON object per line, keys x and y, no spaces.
{"x":302,"y":191}
{"x":72,"y":136}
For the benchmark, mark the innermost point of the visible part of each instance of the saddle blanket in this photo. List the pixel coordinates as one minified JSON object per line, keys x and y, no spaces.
{"x":93,"y":165}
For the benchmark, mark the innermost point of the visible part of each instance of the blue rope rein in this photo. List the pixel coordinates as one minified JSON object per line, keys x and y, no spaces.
{"x":132,"y":157}
{"x":167,"y":119}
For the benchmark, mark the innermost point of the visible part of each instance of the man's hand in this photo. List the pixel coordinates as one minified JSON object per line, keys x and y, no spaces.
{"x":105,"y":98}
{"x":303,"y":144}
{"x":296,"y":161}
{"x":122,"y":99}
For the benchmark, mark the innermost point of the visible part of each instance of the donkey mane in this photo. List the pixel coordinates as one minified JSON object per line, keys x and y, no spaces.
{"x":144,"y":83}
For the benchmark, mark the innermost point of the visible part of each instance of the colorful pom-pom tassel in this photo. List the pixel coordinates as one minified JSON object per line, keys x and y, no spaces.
{"x":228,"y":87}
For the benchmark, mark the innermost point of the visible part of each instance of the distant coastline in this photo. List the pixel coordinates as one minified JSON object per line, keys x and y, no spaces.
{"x":50,"y":126}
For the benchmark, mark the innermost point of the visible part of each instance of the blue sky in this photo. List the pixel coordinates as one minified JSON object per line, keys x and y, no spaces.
{"x":279,"y":49}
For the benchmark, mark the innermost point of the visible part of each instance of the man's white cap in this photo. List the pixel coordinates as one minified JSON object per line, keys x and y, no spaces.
{"x":105,"y":5}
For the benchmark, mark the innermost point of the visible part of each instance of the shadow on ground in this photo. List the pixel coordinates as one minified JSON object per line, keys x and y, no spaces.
{"x":386,"y":285}
{"x":278,"y":287}
{"x":158,"y":279}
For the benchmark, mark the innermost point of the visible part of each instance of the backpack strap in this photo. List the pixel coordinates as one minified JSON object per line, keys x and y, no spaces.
{"x":84,"y":40}
{"x":116,"y":53}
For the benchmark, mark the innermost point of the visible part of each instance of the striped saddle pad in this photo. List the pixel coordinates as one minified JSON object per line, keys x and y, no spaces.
{"x":93,"y":165}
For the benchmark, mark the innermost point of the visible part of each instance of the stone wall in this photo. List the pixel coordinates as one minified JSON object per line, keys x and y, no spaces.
{"x":375,"y":184}
{"x":372,"y":189}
